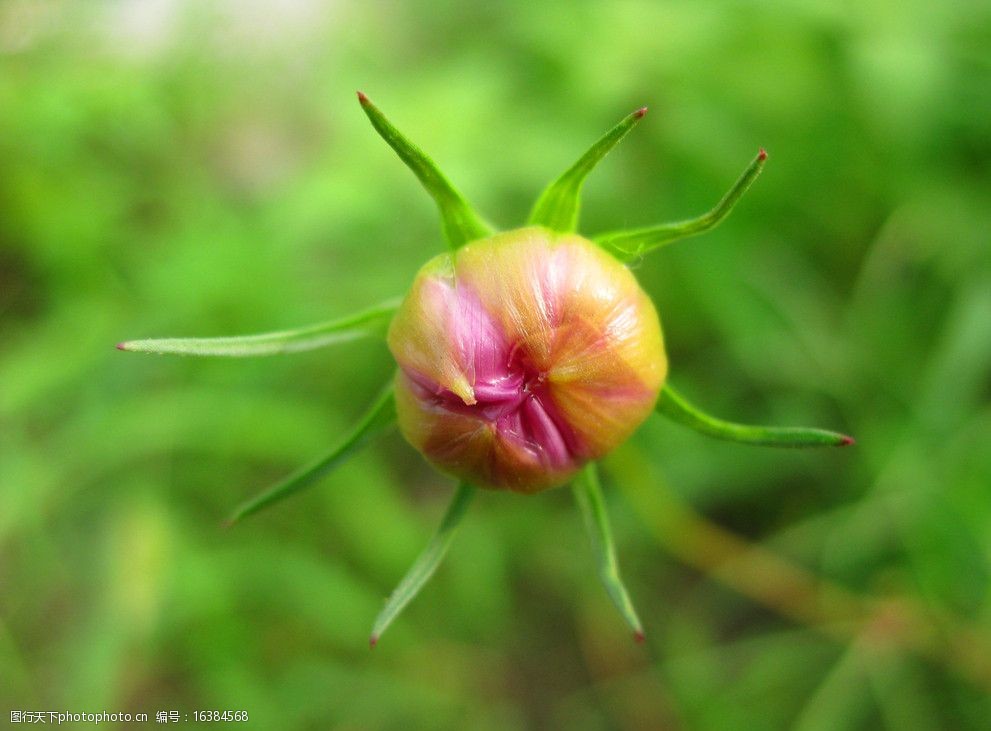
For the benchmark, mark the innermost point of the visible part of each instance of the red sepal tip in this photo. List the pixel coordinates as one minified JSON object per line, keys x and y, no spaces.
{"x":762,"y":154}
{"x":640,"y":112}
{"x":121,"y":346}
{"x":638,"y":637}
{"x":847,"y":441}
{"x":362,"y":99}
{"x":372,"y":641}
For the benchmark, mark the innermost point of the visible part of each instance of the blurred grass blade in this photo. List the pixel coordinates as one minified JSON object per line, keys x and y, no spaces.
{"x":460,"y":221}
{"x":588,"y":494}
{"x":557,"y":207}
{"x":426,"y":563}
{"x":629,"y":245}
{"x":370,"y":322}
{"x":378,"y":418}
{"x":676,"y":407}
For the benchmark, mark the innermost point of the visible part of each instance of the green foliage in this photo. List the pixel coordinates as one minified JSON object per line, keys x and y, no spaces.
{"x":210,"y":172}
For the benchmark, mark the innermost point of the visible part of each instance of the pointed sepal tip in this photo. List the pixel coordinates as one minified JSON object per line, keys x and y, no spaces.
{"x":557,"y":207}
{"x":460,"y":222}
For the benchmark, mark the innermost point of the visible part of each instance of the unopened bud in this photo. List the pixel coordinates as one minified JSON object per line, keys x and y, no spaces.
{"x":523,"y":356}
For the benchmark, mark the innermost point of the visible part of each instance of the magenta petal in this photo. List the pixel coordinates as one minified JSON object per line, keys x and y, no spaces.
{"x":544,"y":433}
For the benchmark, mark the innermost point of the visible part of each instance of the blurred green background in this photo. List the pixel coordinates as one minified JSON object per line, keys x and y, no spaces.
{"x":203,"y":168}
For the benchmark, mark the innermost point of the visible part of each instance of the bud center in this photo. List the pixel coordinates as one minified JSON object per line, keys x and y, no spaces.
{"x":515,"y":398}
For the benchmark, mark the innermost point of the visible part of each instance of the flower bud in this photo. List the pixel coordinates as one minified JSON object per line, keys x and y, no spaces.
{"x":522,"y":356}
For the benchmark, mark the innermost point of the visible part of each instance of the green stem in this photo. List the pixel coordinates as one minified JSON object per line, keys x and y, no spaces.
{"x":370,"y":322}
{"x":426,"y":563}
{"x":632,"y":244}
{"x":557,"y":207}
{"x":379,"y":417}
{"x":460,"y":222}
{"x":588,"y":494}
{"x":676,"y":407}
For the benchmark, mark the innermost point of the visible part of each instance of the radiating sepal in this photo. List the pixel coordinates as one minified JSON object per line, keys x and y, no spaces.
{"x":460,"y":222}
{"x":367,"y":323}
{"x":557,"y":207}
{"x":426,"y":563}
{"x":588,"y":494}
{"x":677,"y":408}
{"x":380,"y":417}
{"x":634,"y":243}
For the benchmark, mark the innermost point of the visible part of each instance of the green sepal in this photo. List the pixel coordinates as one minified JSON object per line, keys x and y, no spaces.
{"x":459,"y":220}
{"x":677,"y":408}
{"x":634,"y":243}
{"x":557,"y":207}
{"x":367,"y":323}
{"x":588,"y":494}
{"x":426,"y":563}
{"x":380,"y":417}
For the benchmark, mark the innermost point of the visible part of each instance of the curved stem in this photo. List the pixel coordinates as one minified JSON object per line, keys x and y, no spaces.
{"x":460,"y":222}
{"x":557,"y":207}
{"x":379,"y":417}
{"x":426,"y":563}
{"x":632,"y":244}
{"x":677,"y":408}
{"x":370,"y":322}
{"x":790,"y":589}
{"x":588,"y":494}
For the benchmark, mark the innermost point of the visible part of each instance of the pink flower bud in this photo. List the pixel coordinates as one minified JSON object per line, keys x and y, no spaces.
{"x":523,"y":356}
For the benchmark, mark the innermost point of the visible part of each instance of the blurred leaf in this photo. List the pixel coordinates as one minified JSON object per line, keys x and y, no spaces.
{"x":841,"y":700}
{"x":905,"y":702}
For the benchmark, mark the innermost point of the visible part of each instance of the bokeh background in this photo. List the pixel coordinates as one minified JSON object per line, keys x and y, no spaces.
{"x":203,"y":168}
